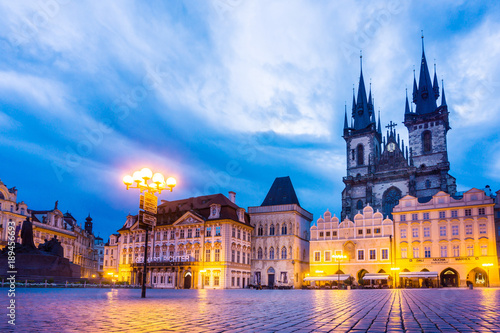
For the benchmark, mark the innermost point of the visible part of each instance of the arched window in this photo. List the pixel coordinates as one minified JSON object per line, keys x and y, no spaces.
{"x":427,"y":183}
{"x":271,"y":253}
{"x":361,"y":154}
{"x":271,"y":230}
{"x":277,"y":229}
{"x":260,"y":231}
{"x":283,"y":229}
{"x":259,"y":253}
{"x":390,"y":198}
{"x":283,"y":253}
{"x":359,"y":205}
{"x":427,"y":141}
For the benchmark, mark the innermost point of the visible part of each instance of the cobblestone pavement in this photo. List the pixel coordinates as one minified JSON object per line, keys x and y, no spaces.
{"x":100,"y":310}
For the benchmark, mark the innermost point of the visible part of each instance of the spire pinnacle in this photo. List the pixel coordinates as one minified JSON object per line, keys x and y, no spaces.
{"x":379,"y":129}
{"x":346,"y":126}
{"x":435,"y":85}
{"x":407,"y":106}
{"x":443,"y":98}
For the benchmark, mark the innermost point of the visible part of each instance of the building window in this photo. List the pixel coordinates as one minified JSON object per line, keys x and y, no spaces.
{"x":260,"y":231}
{"x":470,"y":250}
{"x":454,"y":230}
{"x":416,"y":252}
{"x":361,"y":254}
{"x":244,"y":257}
{"x":402,"y":218}
{"x":468,"y":229}
{"x":404,"y":253}
{"x":385,"y":254}
{"x":196,"y":255}
{"x":172,"y":234}
{"x":427,"y":141}
{"x":442,"y":215}
{"x":271,"y":230}
{"x":239,"y":234}
{"x":182,"y":234}
{"x":217,"y":231}
{"x":208,"y":232}
{"x":426,"y":216}
{"x":456,"y":250}
{"x":197,"y":232}
{"x":283,"y":253}
{"x":321,"y":234}
{"x":403,"y":233}
{"x":217,"y":255}
{"x":427,"y":232}
{"x":328,"y":234}
{"x":328,"y":255}
{"x":317,"y":256}
{"x":233,"y":233}
{"x":238,"y":256}
{"x":283,"y":229}
{"x":414,"y":233}
{"x":427,"y":183}
{"x":207,"y":255}
{"x":334,"y":234}
{"x":271,"y":253}
{"x":414,"y":217}
{"x":207,"y":279}
{"x":454,"y":213}
{"x":259,"y":253}
{"x":359,"y":205}
{"x":427,"y":252}
{"x":377,"y":230}
{"x":481,"y":211}
{"x":482,"y":228}
{"x":484,"y":250}
{"x":216,"y":280}
{"x":361,"y":154}
{"x":444,"y":251}
{"x":190,"y":233}
{"x":360,"y":231}
{"x":368,"y":231}
{"x":284,"y":277}
{"x":468,"y":212}
{"x":373,"y":254}
{"x":442,"y":231}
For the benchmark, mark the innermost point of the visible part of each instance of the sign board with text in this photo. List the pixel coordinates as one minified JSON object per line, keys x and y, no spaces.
{"x":149,"y":202}
{"x":147,"y":219}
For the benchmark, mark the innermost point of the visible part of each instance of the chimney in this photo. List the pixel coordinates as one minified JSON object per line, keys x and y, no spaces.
{"x":232,"y":196}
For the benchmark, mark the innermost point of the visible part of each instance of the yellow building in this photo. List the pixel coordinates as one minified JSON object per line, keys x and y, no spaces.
{"x":447,"y":241}
{"x":12,"y":214}
{"x":200,"y":242}
{"x":365,"y":243}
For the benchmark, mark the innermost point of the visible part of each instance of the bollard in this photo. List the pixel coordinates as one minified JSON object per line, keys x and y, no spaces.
{"x":66,"y":286}
{"x":85,"y":284}
{"x":471,"y":287}
{"x":45,"y":283}
{"x":25,"y":283}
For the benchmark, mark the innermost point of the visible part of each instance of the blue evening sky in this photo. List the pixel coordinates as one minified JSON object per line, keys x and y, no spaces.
{"x":227,"y":94}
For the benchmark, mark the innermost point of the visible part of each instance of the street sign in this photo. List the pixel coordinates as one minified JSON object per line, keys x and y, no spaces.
{"x":149,"y":202}
{"x":147,"y":219}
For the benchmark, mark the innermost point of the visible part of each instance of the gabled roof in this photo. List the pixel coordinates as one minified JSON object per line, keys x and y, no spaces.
{"x":281,"y":193}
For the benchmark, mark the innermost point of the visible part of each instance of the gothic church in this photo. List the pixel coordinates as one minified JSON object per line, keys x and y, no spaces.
{"x":381,"y":169}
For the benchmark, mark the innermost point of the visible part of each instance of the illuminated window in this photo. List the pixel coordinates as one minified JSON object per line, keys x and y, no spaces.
{"x":482,"y":228}
{"x":414,"y":233}
{"x":416,"y":252}
{"x":470,"y":250}
{"x":377,"y":230}
{"x":328,"y":255}
{"x":217,"y":255}
{"x":216,"y":280}
{"x":207,"y":255}
{"x":207,"y":280}
{"x":403,"y":233}
{"x":217,"y":231}
{"x":444,"y":251}
{"x":442,"y":230}
{"x":317,"y":256}
{"x":190,"y":233}
{"x":404,"y":253}
{"x":373,"y":254}
{"x":334,"y":234}
{"x":484,"y":250}
{"x":468,"y":229}
{"x":197,"y":255}
{"x":368,"y":231}
{"x":385,"y":254}
{"x":197,"y":232}
{"x":454,"y":230}
{"x":427,"y":232}
{"x":208,"y":232}
{"x":456,"y":250}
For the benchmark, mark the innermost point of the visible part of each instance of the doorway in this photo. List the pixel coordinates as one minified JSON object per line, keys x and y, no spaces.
{"x":187,"y":280}
{"x":270,"y":278}
{"x":449,"y":278}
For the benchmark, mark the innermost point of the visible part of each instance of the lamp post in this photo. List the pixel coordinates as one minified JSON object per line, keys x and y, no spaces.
{"x":488,"y":265}
{"x":338,"y":258}
{"x":148,"y":183}
{"x":395,"y":270}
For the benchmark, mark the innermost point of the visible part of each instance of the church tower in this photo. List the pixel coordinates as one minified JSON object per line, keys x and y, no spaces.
{"x":363,"y":141}
{"x":427,"y":127}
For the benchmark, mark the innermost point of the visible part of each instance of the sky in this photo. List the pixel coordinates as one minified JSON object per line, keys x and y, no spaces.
{"x":226,"y":95}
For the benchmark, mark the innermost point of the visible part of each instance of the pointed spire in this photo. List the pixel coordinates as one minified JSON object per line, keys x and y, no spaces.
{"x":407,"y":106}
{"x":424,"y":103}
{"x":415,"y":90}
{"x":345,"y":118}
{"x":443,"y":97}
{"x":435,"y":86}
{"x":361,"y":114}
{"x":353,"y":101}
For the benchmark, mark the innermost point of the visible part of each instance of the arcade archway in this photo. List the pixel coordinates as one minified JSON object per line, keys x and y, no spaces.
{"x":449,"y":278}
{"x":478,"y":277}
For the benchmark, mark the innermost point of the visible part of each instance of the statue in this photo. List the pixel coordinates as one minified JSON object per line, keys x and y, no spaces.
{"x":55,"y":206}
{"x":27,"y":235}
{"x":53,"y":247}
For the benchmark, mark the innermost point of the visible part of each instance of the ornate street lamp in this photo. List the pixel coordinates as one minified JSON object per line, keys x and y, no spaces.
{"x":149,"y":183}
{"x":338,"y":258}
{"x":488,"y":265}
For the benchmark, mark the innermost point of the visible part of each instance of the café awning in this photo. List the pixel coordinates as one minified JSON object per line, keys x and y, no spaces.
{"x":422,"y":275}
{"x":335,"y":277}
{"x":375,"y":276}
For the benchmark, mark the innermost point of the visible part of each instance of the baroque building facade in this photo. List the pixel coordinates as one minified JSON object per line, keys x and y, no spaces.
{"x":12,"y":213}
{"x":381,"y":170}
{"x":448,"y":238}
{"x":280,"y":246}
{"x":200,"y":242}
{"x":366,"y":243}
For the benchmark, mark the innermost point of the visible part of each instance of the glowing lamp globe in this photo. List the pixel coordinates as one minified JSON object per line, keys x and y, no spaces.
{"x":158,"y":178}
{"x":171,"y":182}
{"x":137,"y":176}
{"x":128,"y":180}
{"x":146,"y":173}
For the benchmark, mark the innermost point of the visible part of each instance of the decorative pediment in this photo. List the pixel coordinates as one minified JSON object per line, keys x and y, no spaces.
{"x":188,"y":219}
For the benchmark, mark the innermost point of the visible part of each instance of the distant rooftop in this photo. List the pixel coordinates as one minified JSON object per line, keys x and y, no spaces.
{"x":281,"y":193}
